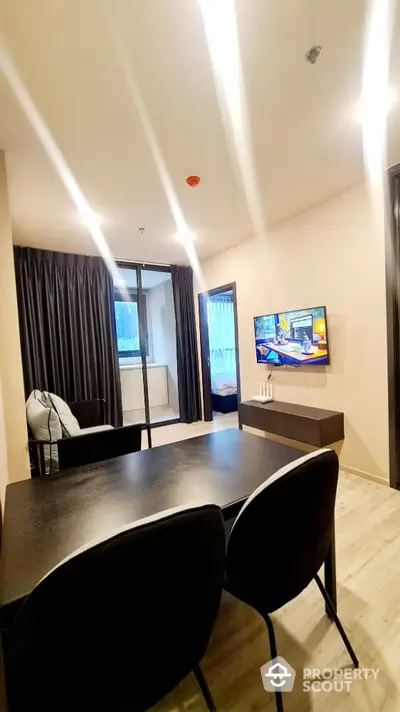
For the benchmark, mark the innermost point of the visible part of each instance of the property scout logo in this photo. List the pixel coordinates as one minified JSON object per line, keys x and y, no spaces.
{"x":279,"y":675}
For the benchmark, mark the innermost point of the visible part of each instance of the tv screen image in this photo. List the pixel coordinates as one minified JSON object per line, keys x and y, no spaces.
{"x":293,"y":338}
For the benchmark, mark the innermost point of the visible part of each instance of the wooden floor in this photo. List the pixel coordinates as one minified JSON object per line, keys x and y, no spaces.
{"x":368,"y":566}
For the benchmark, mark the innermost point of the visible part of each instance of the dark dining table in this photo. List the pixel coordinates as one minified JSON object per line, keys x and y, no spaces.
{"x":48,"y":518}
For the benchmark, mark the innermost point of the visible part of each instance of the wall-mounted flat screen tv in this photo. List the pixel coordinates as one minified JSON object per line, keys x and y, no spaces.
{"x":292,"y":338}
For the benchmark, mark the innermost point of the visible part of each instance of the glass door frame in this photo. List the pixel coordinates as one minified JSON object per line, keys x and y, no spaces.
{"x":143,"y":339}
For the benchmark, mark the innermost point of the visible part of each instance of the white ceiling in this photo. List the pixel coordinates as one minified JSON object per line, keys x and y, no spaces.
{"x":78,"y":61}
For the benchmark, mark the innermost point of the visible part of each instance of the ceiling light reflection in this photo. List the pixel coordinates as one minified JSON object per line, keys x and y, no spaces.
{"x":185,"y":237}
{"x":361,"y":109}
{"x":220,"y":24}
{"x":375,"y":102}
{"x":90,"y":218}
{"x":139,"y":105}
{"x":56,"y":157}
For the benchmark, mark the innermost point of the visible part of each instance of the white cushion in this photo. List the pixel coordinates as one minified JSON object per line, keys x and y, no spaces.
{"x":45,"y":425}
{"x":35,"y":395}
{"x":69,"y":423}
{"x":95,"y":429}
{"x":43,"y":420}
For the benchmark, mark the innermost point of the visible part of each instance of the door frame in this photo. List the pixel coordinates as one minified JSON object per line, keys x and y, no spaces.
{"x":205,"y":345}
{"x":392,"y":254}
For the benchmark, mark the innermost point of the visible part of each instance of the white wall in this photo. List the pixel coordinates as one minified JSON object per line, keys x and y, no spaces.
{"x":161,"y":327}
{"x":133,"y":390}
{"x":328,"y":255}
{"x":4,"y":478}
{"x":14,"y":462}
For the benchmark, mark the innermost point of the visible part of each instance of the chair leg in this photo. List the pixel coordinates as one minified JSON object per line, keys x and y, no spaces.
{"x":274,"y":654}
{"x":204,"y":688}
{"x":333,"y":615}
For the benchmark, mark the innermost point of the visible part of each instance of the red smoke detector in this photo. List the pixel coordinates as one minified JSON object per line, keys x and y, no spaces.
{"x":193,"y":181}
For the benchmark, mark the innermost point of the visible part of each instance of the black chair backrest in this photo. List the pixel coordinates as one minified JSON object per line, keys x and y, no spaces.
{"x":89,"y":413}
{"x":116,"y":626}
{"x":282,"y":534}
{"x":94,"y":447}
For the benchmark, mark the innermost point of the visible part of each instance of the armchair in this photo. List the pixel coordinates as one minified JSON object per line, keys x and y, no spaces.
{"x":89,"y":413}
{"x":95,"y":441}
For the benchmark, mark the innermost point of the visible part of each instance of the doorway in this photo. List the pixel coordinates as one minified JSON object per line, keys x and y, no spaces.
{"x":219,"y":350}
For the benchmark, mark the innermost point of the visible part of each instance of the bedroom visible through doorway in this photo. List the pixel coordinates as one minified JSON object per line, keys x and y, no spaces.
{"x":219,"y":350}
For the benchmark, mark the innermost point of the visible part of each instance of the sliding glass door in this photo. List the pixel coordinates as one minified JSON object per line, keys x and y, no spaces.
{"x":126,"y":304}
{"x":162,"y":374}
{"x":145,"y":323}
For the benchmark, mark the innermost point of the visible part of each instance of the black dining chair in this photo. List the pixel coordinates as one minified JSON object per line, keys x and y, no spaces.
{"x":117,"y":625}
{"x":281,"y":538}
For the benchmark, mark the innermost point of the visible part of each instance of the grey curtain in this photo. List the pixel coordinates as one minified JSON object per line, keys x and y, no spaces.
{"x":67,"y":327}
{"x":186,"y":345}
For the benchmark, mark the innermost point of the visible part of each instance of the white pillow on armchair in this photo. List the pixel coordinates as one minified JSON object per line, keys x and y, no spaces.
{"x":45,"y":425}
{"x":42,"y":418}
{"x":69,"y":423}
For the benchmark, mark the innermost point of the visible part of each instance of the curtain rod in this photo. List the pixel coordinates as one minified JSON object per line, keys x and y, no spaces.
{"x":142,"y":264}
{"x":139,"y":263}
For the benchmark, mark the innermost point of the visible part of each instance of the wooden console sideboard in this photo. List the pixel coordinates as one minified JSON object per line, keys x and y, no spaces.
{"x":313,"y":426}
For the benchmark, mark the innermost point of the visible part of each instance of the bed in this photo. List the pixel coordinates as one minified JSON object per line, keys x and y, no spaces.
{"x":224,"y":398}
